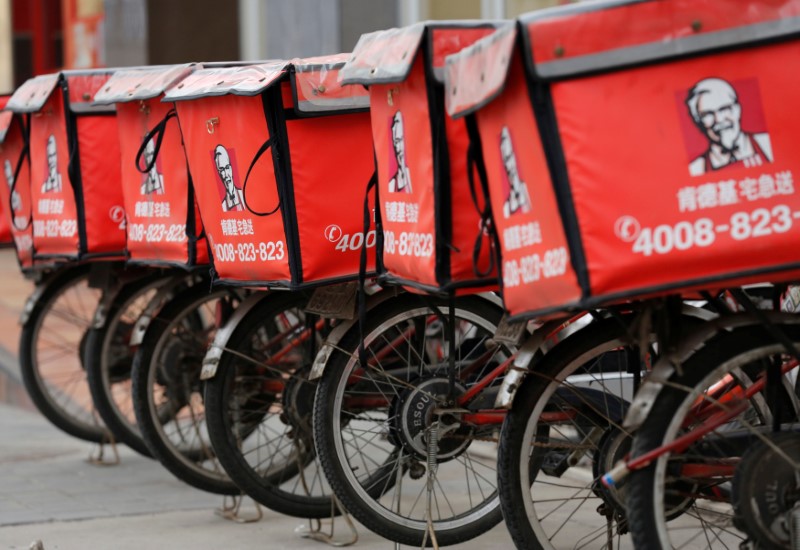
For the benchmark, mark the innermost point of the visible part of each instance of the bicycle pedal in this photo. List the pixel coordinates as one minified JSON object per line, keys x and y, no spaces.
{"x":555,"y":463}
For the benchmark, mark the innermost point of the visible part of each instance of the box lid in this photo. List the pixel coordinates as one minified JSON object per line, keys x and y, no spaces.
{"x":82,"y":85}
{"x":33,"y":94}
{"x":384,"y":57}
{"x":141,"y":83}
{"x":476,"y":75}
{"x":317,"y":87}
{"x":247,"y":80}
{"x":594,"y":36}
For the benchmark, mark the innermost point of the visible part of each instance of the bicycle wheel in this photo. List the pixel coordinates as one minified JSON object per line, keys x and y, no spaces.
{"x":109,"y":358}
{"x":167,"y":390}
{"x":687,"y":498}
{"x":50,"y":353}
{"x":563,"y":432}
{"x":376,"y":427}
{"x":259,"y":407}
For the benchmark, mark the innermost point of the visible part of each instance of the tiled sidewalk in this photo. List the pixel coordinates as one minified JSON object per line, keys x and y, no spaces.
{"x":49,"y":492}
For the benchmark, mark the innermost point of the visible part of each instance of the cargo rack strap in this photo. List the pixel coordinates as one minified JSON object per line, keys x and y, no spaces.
{"x":263,"y":149}
{"x":485,"y":226}
{"x":158,"y":133}
{"x":17,"y":169}
{"x":362,"y":264}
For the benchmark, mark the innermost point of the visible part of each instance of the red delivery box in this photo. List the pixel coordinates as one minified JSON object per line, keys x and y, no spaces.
{"x":163,"y":222}
{"x":487,"y":82}
{"x":15,"y":197}
{"x":280,"y":156}
{"x":434,"y":237}
{"x":74,"y":167}
{"x":668,"y":131}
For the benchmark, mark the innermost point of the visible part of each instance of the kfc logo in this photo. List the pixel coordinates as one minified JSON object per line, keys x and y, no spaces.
{"x":53,"y":181}
{"x":400,"y":179}
{"x":732,"y":129}
{"x":333,"y":233}
{"x":153,"y":182}
{"x":16,"y":200}
{"x":230,"y":193}
{"x":516,"y":191}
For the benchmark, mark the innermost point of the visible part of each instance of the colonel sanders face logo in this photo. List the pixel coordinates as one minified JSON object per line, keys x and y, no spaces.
{"x":9,"y":173}
{"x":153,"y":182}
{"x":715,"y":108}
{"x":517,"y":198}
{"x":233,"y":200}
{"x":53,"y":181}
{"x":400,"y":180}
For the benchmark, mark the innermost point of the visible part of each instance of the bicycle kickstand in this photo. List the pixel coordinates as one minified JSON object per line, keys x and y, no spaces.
{"x":233,"y":511}
{"x":97,"y":458}
{"x":315,"y":532}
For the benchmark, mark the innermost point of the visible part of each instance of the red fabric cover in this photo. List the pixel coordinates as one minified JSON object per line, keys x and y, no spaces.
{"x":55,"y":226}
{"x":537,"y":272}
{"x":156,"y":213}
{"x":21,"y":230}
{"x":630,"y":144}
{"x":104,"y":211}
{"x":332,"y":162}
{"x":558,"y":35}
{"x":236,"y":236}
{"x":416,"y":262}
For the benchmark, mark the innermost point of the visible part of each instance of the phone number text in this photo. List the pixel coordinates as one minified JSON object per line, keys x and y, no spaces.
{"x":249,"y":252}
{"x":703,"y":232}
{"x":534,"y":267}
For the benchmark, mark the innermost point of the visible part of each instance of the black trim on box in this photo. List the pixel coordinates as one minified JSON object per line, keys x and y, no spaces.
{"x":165,"y":264}
{"x":288,"y":285}
{"x":274,"y":111}
{"x":476,"y":142}
{"x":62,"y":257}
{"x":192,"y":237}
{"x":111,"y":256}
{"x":544,"y":112}
{"x":571,"y":307}
{"x":442,"y":198}
{"x":74,"y":167}
{"x":89,"y":109}
{"x":635,"y":294}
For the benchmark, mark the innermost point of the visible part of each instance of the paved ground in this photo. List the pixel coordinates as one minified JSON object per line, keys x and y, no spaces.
{"x":49,"y":492}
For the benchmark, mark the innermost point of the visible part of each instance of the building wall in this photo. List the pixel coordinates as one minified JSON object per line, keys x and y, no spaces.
{"x":360,"y":16}
{"x":6,"y":48}
{"x":126,"y":33}
{"x":192,"y":30}
{"x":452,"y":9}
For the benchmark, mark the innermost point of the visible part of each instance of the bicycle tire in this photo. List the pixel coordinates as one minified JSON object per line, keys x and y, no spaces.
{"x":111,"y":391}
{"x":193,"y":463}
{"x":729,"y":352}
{"x":591,"y":354}
{"x":67,"y":297}
{"x":263,"y":437}
{"x":367,"y":502}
